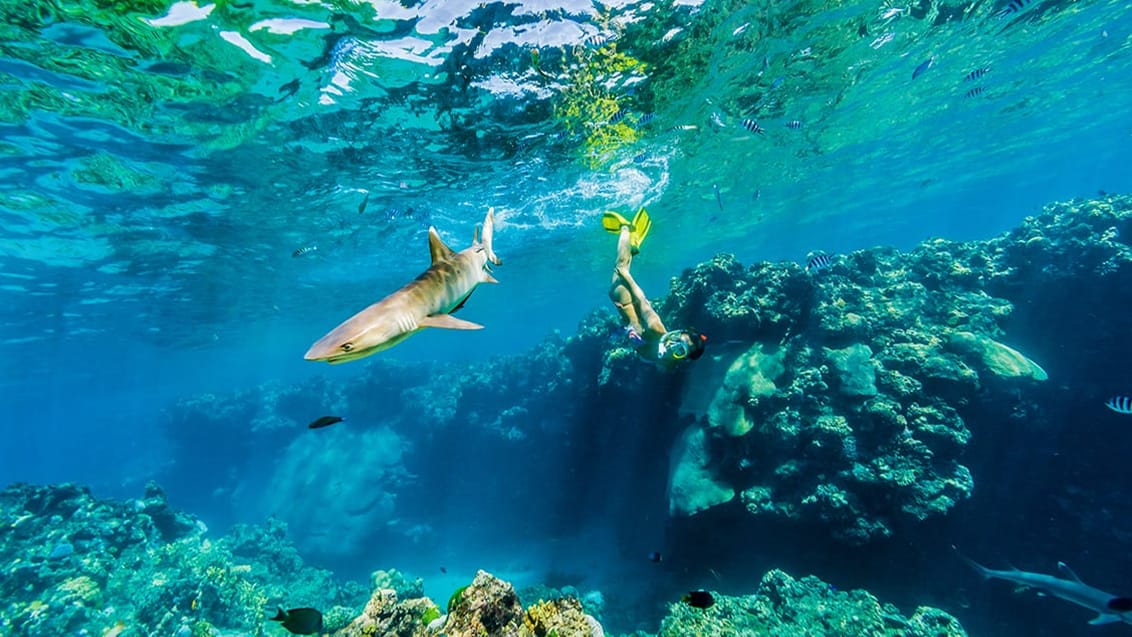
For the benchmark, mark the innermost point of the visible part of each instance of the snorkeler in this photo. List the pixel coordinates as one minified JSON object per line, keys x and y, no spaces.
{"x":650,"y":338}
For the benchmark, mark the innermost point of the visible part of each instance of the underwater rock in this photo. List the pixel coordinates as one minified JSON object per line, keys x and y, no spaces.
{"x":691,"y":485}
{"x":998,"y":359}
{"x":487,"y":606}
{"x":395,"y":580}
{"x":561,"y":616}
{"x":384,"y":615}
{"x":750,"y":377}
{"x":804,"y":607}
{"x":856,"y":373}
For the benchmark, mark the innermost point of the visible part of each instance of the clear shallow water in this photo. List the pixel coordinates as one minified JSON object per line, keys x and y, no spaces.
{"x":158,"y":172}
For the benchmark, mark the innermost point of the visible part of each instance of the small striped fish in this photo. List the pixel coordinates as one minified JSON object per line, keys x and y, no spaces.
{"x":1120,"y":404}
{"x":753,"y":126}
{"x":305,"y":250}
{"x":621,"y":114}
{"x":976,"y":74}
{"x":818,"y":262}
{"x":646,"y":119}
{"x":598,"y":40}
{"x":794,"y":124}
{"x":1014,"y":7}
{"x":975,"y":92}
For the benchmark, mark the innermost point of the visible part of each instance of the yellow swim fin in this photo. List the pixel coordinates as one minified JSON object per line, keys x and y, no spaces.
{"x":612,"y":222}
{"x":642,"y":223}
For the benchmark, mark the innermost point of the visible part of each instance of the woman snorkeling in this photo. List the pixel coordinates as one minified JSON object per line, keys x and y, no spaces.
{"x":650,"y":338}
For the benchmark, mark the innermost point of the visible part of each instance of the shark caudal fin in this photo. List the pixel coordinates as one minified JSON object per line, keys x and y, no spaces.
{"x":488,"y":234}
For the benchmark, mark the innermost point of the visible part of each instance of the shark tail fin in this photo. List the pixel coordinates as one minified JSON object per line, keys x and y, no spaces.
{"x":487,"y":236}
{"x":978,"y":568}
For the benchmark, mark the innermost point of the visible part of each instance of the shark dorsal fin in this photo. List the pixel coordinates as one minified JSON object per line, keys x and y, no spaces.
{"x":1064,"y":568}
{"x":436,"y":246}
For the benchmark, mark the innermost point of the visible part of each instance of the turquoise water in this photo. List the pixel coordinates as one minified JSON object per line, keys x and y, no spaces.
{"x":162,"y":162}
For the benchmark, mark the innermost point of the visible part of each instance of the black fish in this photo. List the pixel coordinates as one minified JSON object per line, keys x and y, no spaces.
{"x":304,"y":251}
{"x":443,"y":570}
{"x":925,"y":65}
{"x":818,"y":262}
{"x":975,"y":92}
{"x":794,"y":124}
{"x":362,"y":206}
{"x":698,"y":599}
{"x":655,"y":556}
{"x":289,"y":89}
{"x":718,"y":198}
{"x":753,"y":126}
{"x":976,"y":74}
{"x":300,"y":621}
{"x":325,"y":421}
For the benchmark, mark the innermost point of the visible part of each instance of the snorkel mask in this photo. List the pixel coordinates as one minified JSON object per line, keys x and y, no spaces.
{"x":679,"y":345}
{"x":673,"y":346}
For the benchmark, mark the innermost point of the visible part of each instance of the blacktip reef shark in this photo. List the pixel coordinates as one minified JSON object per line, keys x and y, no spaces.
{"x":1109,"y":608}
{"x":427,"y":301}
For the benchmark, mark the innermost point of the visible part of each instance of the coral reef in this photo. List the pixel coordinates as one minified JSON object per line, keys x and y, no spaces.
{"x":145,"y":566}
{"x":850,"y":408}
{"x":784,"y":606}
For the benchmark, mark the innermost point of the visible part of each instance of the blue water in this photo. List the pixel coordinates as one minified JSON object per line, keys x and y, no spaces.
{"x":168,"y":274}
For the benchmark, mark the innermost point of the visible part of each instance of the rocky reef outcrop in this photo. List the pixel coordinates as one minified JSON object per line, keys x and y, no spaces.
{"x":805,"y":607}
{"x":849,"y":396}
{"x":74,"y":563}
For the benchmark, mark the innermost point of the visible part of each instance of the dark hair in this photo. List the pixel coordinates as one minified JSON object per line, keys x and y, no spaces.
{"x":698,"y":341}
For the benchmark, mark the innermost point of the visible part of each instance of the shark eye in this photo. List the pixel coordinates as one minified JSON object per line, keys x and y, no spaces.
{"x":347,"y":347}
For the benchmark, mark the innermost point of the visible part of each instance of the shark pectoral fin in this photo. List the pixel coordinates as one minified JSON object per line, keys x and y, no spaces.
{"x":448,"y":322}
{"x":1104,"y":618}
{"x":487,"y":278}
{"x":1063,"y":567}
